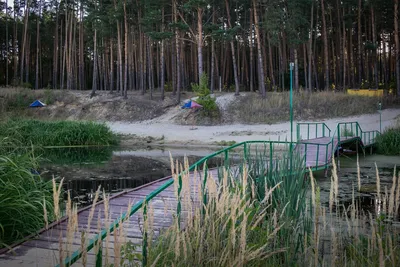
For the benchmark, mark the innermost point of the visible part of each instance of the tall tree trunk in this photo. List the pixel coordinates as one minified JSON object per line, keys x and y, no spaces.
{"x":177,"y":53}
{"x":325,"y":40}
{"x":162,"y":60}
{"x":396,"y":40}
{"x":24,"y":39}
{"x":7,"y":40}
{"x":271,"y":68}
{"x":235,"y":70}
{"x":15,"y":53}
{"x":199,"y":41}
{"x":344,"y":53}
{"x":251,"y":52}
{"x":94,"y":83}
{"x":212,"y":69}
{"x":37,"y":47}
{"x":259,"y":48}
{"x":81,"y":51}
{"x":125,"y":94}
{"x":374,"y":53}
{"x":310,"y":54}
{"x":55,"y":54}
{"x":359,"y":58}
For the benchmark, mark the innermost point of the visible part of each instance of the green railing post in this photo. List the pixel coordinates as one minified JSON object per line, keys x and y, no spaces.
{"x":245,"y":152}
{"x":144,"y":243}
{"x":226,"y":159}
{"x":308,"y":131}
{"x":305,"y":154}
{"x":99,"y":255}
{"x":316,"y":131}
{"x":326,"y":154}
{"x":316,"y":163}
{"x":323,"y":130}
{"x":179,"y":206}
{"x":270,"y":159}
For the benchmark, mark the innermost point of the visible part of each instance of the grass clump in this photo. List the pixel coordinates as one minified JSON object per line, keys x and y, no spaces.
{"x":57,"y":133}
{"x":24,"y":197}
{"x":388,"y":143}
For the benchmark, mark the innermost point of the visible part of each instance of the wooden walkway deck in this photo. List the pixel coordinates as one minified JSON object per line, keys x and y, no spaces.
{"x":43,"y":250}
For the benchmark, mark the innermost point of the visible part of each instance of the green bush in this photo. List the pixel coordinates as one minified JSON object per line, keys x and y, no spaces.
{"x":57,"y":133}
{"x":388,"y":143}
{"x":210,"y":107}
{"x":23,"y":196}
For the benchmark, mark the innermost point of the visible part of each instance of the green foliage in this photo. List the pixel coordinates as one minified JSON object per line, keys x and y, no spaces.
{"x":388,"y":143}
{"x":210,"y":107}
{"x":289,"y":199}
{"x":57,"y":133}
{"x":23,"y":196}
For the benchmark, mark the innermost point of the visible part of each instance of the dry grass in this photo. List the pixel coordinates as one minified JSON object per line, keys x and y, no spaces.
{"x":232,"y":229}
{"x":322,"y":105}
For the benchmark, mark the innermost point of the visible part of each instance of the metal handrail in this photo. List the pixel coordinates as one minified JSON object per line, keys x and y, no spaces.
{"x":102,"y":235}
{"x":225,"y":151}
{"x":325,"y":130}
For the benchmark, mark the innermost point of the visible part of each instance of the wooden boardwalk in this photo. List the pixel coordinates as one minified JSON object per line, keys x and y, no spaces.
{"x":43,"y":250}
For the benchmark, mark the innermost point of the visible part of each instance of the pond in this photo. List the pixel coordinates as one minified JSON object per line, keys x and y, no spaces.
{"x":348,"y":182}
{"x":114,"y":169}
{"x":117,"y":169}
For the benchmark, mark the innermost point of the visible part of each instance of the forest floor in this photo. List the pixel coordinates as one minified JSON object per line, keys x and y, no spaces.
{"x":245,"y":117}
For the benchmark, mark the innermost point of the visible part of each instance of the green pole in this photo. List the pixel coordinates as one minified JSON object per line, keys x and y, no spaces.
{"x":380,"y":116}
{"x":291,"y":115}
{"x":291,"y":101}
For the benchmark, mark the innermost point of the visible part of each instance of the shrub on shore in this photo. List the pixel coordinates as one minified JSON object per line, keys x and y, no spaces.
{"x":57,"y":133}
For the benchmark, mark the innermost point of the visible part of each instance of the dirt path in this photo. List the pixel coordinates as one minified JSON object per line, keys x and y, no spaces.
{"x":171,"y":133}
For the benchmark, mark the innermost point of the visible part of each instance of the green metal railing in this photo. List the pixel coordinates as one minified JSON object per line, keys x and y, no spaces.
{"x":344,"y":132}
{"x":243,"y":146}
{"x":313,"y":130}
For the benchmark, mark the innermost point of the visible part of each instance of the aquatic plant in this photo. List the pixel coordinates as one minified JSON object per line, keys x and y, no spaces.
{"x":388,"y":143}
{"x":23,"y":197}
{"x":57,"y":133}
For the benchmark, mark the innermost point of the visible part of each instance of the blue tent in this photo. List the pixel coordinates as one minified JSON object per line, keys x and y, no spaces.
{"x":36,"y":104}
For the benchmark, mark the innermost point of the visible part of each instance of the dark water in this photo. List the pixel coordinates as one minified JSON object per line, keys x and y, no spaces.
{"x":348,"y":183}
{"x":114,"y":169}
{"x":117,"y":169}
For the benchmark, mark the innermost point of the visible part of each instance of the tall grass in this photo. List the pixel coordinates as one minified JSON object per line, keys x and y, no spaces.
{"x":23,"y":196}
{"x":57,"y":133}
{"x":236,"y":220}
{"x":388,"y":143}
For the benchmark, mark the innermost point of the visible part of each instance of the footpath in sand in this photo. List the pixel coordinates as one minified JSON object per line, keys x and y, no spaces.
{"x":163,"y":128}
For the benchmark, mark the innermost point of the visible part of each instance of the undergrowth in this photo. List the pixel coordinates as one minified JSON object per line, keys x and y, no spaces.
{"x":388,"y":143}
{"x":251,"y":108}
{"x":57,"y":133}
{"x":23,"y":195}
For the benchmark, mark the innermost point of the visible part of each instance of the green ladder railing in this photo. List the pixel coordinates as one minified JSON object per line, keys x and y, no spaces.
{"x":319,"y":129}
